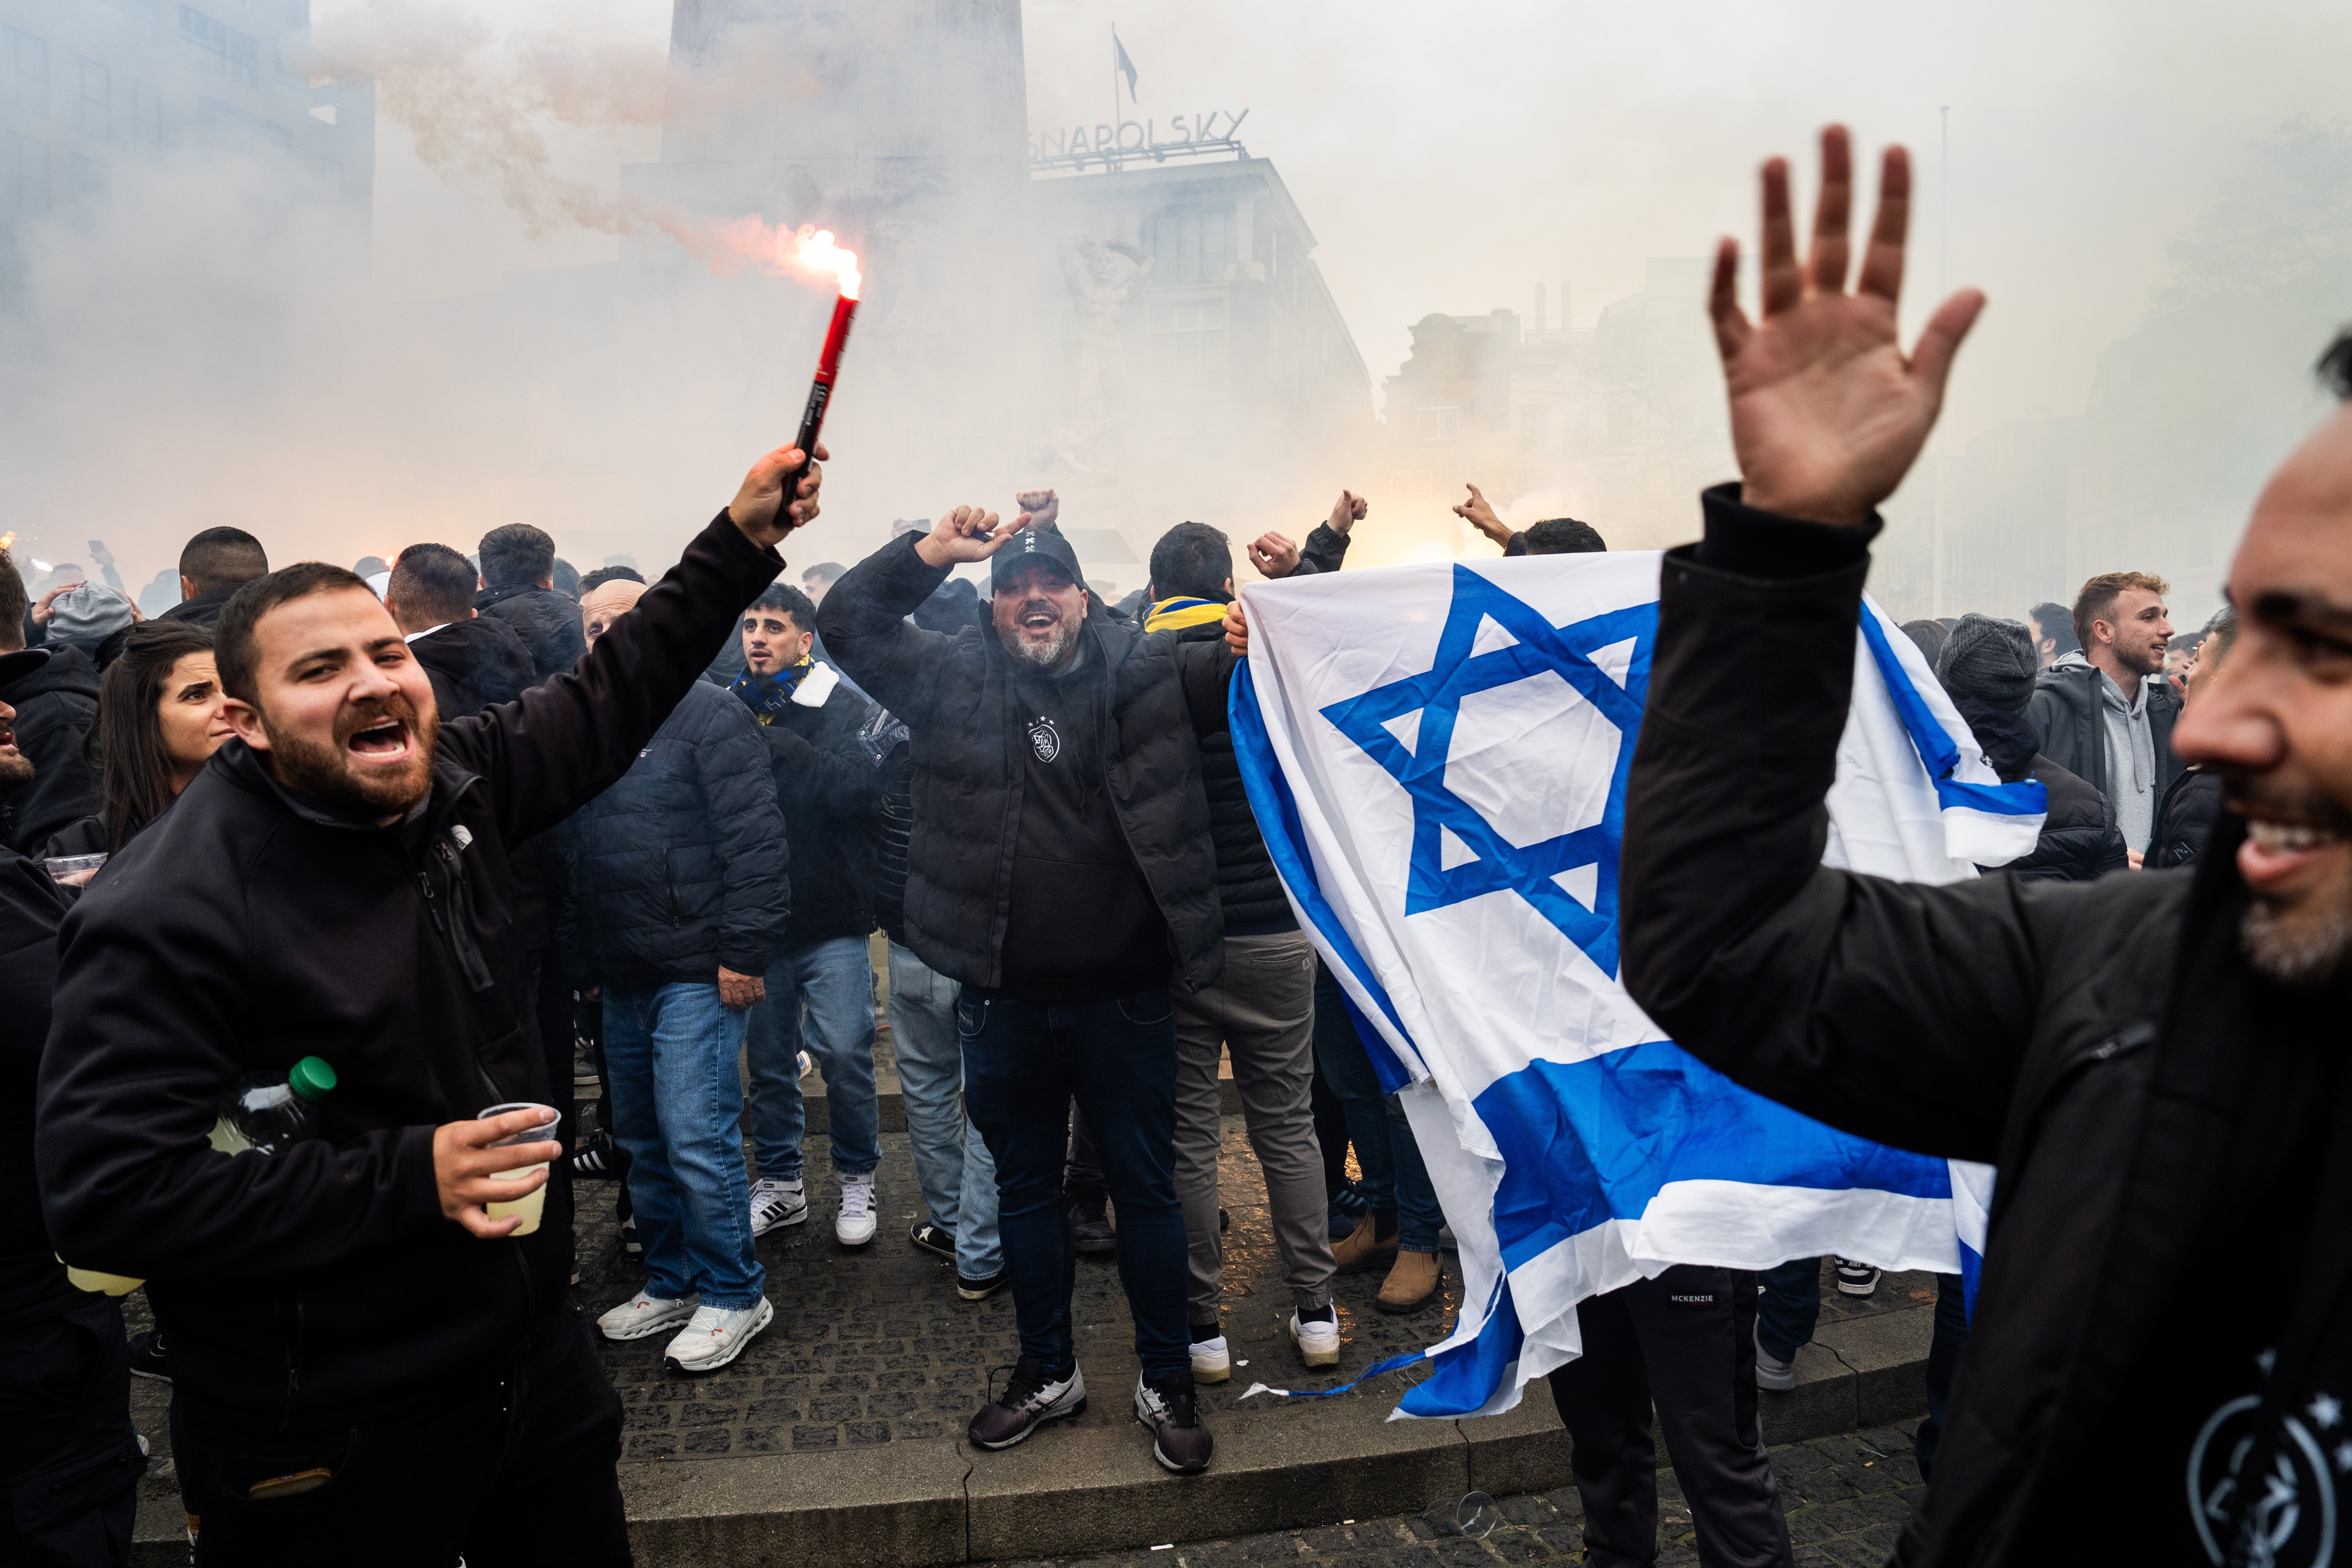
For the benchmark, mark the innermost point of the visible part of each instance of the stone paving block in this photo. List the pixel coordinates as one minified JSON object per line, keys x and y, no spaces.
{"x":902,"y":1505}
{"x":1823,"y":1400}
{"x":1888,"y":1353}
{"x":1524,"y":1450}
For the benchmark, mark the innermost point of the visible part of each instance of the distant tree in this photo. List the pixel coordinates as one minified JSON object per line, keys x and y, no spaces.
{"x":2283,"y":214}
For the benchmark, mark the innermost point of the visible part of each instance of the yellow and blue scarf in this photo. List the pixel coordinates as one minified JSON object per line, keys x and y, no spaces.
{"x":1176,"y":614}
{"x":769,"y":695}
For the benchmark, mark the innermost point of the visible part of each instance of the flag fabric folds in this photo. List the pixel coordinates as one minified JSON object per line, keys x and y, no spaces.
{"x":1438,"y":756}
{"x":1122,"y":65}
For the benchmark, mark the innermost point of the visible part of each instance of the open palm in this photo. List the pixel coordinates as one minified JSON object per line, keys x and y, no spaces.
{"x":1827,"y":413}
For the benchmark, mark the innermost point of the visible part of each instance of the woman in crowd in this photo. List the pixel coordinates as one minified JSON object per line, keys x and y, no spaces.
{"x":161,"y":715}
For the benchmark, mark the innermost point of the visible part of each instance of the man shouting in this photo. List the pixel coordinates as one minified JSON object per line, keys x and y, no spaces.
{"x":368,"y":1368}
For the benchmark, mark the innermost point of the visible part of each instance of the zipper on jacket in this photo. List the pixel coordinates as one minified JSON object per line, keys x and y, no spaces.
{"x":461,"y":925}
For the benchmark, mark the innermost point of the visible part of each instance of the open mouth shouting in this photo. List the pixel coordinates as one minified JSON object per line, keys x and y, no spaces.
{"x":2295,"y":836}
{"x":380,"y":741}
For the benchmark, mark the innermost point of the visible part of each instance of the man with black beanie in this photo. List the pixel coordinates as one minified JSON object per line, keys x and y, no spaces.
{"x":1987,"y":668}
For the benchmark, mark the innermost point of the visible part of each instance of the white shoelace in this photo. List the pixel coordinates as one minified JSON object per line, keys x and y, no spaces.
{"x":856,"y":1199}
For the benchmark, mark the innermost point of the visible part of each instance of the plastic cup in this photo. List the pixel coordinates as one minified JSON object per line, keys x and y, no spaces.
{"x":532,"y":1203}
{"x":72,"y":870}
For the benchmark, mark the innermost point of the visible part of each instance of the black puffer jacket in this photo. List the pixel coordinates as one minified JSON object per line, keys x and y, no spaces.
{"x":248,"y":927}
{"x":474,"y":663}
{"x":2105,"y":1045}
{"x":547,"y":622}
{"x":2078,"y":844}
{"x":894,"y":828}
{"x":826,"y":783}
{"x":2184,"y":820}
{"x":956,"y":698}
{"x":1247,"y":885}
{"x":680,"y":867}
{"x":56,"y":705}
{"x":32,"y":1281}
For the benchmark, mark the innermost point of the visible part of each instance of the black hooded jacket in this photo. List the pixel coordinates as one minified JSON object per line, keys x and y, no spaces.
{"x":830,"y":789}
{"x":2078,"y":844}
{"x":2185,"y":820}
{"x":205,"y":609}
{"x":250,"y":926}
{"x":2068,"y":712}
{"x":56,"y":705}
{"x":547,"y":622}
{"x":474,"y":663}
{"x":2150,"y":1100}
{"x":956,"y":696}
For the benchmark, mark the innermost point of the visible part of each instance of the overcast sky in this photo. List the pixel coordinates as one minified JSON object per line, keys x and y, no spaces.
{"x":1450,"y":157}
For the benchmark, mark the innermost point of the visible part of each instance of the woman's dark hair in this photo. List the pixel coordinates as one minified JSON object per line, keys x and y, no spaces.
{"x":126,"y":745}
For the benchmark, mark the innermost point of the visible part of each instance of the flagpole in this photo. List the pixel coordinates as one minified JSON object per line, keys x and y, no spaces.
{"x":1109,"y":163}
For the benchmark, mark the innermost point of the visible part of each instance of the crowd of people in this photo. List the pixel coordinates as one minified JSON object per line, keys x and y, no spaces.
{"x":457,"y":825}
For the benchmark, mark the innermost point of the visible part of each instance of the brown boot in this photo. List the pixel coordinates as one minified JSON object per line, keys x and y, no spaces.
{"x":1413,"y":1283}
{"x":1357,"y":1251}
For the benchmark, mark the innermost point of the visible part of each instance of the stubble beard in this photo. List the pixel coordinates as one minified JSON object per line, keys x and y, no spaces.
{"x":322,"y":772}
{"x":2305,"y":948}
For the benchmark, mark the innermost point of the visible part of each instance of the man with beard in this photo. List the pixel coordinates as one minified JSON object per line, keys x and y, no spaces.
{"x":2156,"y":1064}
{"x":368,"y":1367}
{"x":1060,"y":867}
{"x":2098,"y":714}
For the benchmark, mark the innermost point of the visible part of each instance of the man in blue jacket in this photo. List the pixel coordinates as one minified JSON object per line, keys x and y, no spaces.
{"x":677,"y":907}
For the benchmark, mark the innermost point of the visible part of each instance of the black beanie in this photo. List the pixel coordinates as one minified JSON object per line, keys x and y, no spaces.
{"x":1989,"y":664}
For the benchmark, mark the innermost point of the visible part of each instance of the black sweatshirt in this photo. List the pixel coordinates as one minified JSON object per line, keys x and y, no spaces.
{"x":247,"y":928}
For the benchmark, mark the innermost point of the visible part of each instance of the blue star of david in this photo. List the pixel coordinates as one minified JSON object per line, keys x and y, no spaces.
{"x":1499,"y":865}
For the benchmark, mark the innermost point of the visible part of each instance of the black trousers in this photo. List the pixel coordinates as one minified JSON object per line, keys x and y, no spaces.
{"x":517,"y":1473}
{"x":69,"y":1459}
{"x":1685,"y":1342}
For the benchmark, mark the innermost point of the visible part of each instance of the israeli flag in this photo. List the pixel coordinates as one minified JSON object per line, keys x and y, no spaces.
{"x":1438,"y":756}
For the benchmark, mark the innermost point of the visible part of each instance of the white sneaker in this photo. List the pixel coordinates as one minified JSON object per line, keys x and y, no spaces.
{"x":777,"y":1202}
{"x":807,"y":1063}
{"x":1319,"y":1342}
{"x":853,"y":1226}
{"x":717,"y":1336}
{"x":1780,"y":1376}
{"x":641,"y":1315}
{"x":1212,"y":1362}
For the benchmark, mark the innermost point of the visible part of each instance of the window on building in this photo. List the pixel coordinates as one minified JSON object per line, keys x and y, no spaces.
{"x":1188,"y":338}
{"x":1437,"y":424}
{"x":28,"y":175}
{"x":222,"y":48}
{"x":1192,"y":246}
{"x":97,"y":93}
{"x":146,"y":115}
{"x":91,"y":178}
{"x":28,"y":74}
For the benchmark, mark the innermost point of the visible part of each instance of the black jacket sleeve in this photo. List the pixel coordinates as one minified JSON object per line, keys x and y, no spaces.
{"x":1326,"y":550}
{"x":750,"y":829}
{"x":62,"y":790}
{"x":570,"y":737}
{"x":834,"y":772}
{"x":863,"y":622}
{"x":1891,"y":1010}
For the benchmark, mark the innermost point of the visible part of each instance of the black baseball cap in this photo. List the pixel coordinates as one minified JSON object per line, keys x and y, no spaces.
{"x":1030,"y":547}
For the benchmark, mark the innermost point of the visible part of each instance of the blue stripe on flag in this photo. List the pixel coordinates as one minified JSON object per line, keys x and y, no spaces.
{"x":1468,"y":1375}
{"x":1588,"y":1142}
{"x":1935,"y":745}
{"x":1277,"y":818}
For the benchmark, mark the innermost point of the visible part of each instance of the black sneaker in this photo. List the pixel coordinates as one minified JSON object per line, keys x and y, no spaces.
{"x":935,"y":1239}
{"x":972,"y":1289}
{"x":149,"y":1357}
{"x":1090,"y":1230}
{"x":1028,"y":1402}
{"x":1179,"y":1440}
{"x":1349,"y":1206}
{"x":629,"y":1242}
{"x":598,"y":1159}
{"x":1855,"y":1278}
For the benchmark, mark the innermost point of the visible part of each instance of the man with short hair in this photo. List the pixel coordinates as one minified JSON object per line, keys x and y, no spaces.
{"x":820,"y":980}
{"x":519,"y":588}
{"x":212,"y":566}
{"x":2156,"y":1064}
{"x":472,"y":660}
{"x":818,"y":579}
{"x":335,"y":883}
{"x":55,"y":702}
{"x":1060,"y":868}
{"x":2099,"y":716}
{"x":1260,"y":1011}
{"x":2054,"y":632}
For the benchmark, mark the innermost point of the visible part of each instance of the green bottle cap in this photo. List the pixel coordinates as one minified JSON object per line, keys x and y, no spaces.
{"x":311,"y":1078}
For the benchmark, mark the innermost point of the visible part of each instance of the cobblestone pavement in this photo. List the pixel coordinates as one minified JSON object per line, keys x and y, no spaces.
{"x":1846,"y":1499}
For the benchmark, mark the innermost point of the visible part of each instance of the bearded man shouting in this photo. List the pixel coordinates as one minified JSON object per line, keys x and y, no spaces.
{"x":367,"y":1367}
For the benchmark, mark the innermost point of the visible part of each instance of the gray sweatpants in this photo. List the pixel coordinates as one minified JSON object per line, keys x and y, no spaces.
{"x":1261,"y":1010}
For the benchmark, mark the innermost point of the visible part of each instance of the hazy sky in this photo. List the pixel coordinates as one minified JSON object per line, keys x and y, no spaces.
{"x":1449,"y":158}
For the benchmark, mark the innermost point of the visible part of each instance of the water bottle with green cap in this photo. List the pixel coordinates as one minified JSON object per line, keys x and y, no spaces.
{"x":268,"y":1111}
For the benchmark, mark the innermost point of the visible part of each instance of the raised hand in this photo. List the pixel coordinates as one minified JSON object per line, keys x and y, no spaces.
{"x":967,"y":534}
{"x":1237,"y":628}
{"x":1827,"y":413}
{"x":757,"y":508}
{"x":1041,"y":508}
{"x":1480,"y":515}
{"x":1273,"y":556}
{"x":1346,"y":512}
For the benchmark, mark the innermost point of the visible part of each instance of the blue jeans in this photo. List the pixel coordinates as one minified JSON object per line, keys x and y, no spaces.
{"x":678,"y":1106}
{"x":1790,"y":1308}
{"x":1023,"y":1064}
{"x":1395,"y":1180}
{"x":833,"y":981}
{"x":951,"y":1163}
